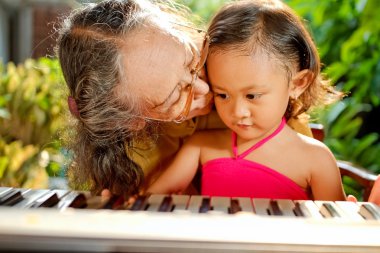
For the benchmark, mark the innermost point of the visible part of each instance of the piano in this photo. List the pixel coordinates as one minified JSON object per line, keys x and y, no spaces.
{"x":45,"y":220}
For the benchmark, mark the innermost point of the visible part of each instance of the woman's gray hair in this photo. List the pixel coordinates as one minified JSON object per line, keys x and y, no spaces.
{"x":89,"y":51}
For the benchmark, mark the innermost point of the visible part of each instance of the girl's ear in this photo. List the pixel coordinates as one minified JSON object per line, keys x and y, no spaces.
{"x":300,"y":82}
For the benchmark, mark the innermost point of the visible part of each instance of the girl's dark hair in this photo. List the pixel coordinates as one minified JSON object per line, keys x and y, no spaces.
{"x":272,"y":26}
{"x":89,"y":51}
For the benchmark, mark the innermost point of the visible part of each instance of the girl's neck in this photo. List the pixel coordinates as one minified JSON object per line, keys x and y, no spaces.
{"x":242,"y":142}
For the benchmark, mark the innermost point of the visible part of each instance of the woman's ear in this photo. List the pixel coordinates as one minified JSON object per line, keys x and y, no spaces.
{"x":137,"y":124}
{"x":300,"y":82}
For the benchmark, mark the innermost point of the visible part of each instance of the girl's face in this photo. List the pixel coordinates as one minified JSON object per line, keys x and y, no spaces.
{"x":251,"y":92}
{"x":158,"y":69}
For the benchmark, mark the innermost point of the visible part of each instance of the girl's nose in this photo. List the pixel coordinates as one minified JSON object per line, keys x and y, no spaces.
{"x":240,"y":109}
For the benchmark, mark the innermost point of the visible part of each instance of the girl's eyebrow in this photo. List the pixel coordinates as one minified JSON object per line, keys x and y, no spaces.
{"x":216,"y":87}
{"x":248,"y":87}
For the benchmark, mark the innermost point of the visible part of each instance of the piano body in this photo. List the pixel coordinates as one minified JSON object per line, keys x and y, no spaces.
{"x":67,"y":221}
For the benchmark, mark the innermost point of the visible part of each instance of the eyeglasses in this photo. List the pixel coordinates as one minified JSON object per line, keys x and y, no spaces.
{"x":189,"y":89}
{"x":194,"y":72}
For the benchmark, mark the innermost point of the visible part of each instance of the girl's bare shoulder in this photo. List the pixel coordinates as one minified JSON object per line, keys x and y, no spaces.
{"x":315,"y":151}
{"x":310,"y":143}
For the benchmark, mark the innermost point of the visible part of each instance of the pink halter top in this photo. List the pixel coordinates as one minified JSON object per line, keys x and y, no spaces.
{"x":237,"y":177}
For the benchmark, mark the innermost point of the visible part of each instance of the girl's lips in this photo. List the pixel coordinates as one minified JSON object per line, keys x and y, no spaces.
{"x":243,"y":125}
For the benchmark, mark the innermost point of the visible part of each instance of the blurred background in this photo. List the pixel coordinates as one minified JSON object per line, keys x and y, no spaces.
{"x":33,"y":106}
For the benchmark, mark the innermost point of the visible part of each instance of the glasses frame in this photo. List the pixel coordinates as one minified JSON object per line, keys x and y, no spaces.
{"x":194,"y":72}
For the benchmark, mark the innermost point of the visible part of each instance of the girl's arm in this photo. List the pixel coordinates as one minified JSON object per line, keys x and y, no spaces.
{"x":180,"y":172}
{"x":326,"y":181}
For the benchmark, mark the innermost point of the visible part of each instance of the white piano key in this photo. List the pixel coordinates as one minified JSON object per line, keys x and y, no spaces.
{"x":351,"y":209}
{"x":309,"y":209}
{"x":195,"y":203}
{"x":30,"y":196}
{"x":329,"y":209}
{"x":287,"y":207}
{"x":180,"y":202}
{"x":245,"y":204}
{"x":60,"y":193}
{"x":10,"y":198}
{"x":5,"y":190}
{"x":261,"y":206}
{"x":369,"y":211}
{"x":154,"y":202}
{"x":220,"y":204}
{"x":105,"y":230}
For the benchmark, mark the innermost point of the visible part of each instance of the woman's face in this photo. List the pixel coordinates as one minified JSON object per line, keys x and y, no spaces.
{"x":158,"y":70}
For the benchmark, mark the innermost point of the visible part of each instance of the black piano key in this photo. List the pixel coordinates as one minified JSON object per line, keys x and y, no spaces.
{"x":48,"y":200}
{"x":368,"y":211}
{"x":331,"y":212}
{"x":30,"y":196}
{"x":115,"y":203}
{"x":72,"y":199}
{"x":11,"y":197}
{"x":139,"y":204}
{"x":298,"y":210}
{"x":234,"y":207}
{"x":166,"y":205}
{"x":274,"y":209}
{"x":205,"y":205}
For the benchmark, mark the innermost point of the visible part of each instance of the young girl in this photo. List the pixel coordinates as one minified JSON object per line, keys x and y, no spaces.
{"x":263,"y":69}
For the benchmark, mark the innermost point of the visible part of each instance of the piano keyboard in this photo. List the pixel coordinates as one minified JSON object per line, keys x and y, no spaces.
{"x":67,"y":221}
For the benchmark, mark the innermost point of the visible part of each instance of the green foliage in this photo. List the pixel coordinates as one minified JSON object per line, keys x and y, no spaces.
{"x":348,"y":35}
{"x":31,"y":101}
{"x":21,"y":166}
{"x":31,"y":115}
{"x":204,"y":9}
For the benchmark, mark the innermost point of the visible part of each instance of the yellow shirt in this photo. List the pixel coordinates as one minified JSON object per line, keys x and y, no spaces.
{"x":154,"y":156}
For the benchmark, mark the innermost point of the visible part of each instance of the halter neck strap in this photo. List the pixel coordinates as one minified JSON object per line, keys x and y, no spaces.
{"x":258,"y":144}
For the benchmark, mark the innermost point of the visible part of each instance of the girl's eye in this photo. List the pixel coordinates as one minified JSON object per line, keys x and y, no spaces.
{"x":220,"y":95}
{"x":253,"y":96}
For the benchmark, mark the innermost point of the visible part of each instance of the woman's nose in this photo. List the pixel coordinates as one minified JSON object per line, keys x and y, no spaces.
{"x":201,"y":88}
